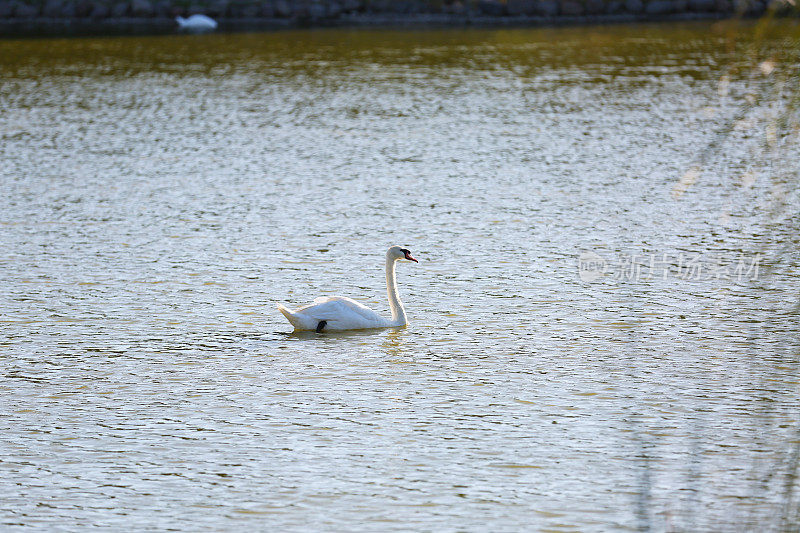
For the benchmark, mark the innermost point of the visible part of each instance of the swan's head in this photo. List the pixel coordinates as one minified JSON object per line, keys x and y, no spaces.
{"x":395,"y":253}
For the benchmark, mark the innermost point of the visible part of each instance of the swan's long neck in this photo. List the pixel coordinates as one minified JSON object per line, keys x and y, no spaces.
{"x":398,"y":313}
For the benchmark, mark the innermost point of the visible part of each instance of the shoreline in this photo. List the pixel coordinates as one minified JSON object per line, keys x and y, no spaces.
{"x":98,"y":17}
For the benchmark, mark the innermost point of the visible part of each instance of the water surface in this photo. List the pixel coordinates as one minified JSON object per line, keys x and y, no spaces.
{"x":162,"y":194}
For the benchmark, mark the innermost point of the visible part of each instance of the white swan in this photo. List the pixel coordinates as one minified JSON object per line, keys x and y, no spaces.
{"x":196,"y":22}
{"x":335,"y":313}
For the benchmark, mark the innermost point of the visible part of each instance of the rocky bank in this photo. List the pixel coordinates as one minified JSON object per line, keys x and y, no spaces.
{"x":304,"y":13}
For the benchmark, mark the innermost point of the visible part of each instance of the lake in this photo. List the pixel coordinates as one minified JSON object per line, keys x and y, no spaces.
{"x":603,"y":325}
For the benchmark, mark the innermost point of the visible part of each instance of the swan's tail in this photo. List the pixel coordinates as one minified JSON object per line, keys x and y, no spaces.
{"x":181,"y":21}
{"x":295,"y":321}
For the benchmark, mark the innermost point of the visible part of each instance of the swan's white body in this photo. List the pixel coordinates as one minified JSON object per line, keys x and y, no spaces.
{"x":197,"y":22}
{"x":339,"y":314}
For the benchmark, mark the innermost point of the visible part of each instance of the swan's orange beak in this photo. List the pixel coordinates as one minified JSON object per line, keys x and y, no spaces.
{"x":408,"y":256}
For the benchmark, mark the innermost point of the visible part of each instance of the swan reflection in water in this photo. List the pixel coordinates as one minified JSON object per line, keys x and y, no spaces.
{"x":393,"y":342}
{"x":306,"y":335}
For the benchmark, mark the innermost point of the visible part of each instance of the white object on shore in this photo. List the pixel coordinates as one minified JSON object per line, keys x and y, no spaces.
{"x":196,"y":22}
{"x":335,"y":313}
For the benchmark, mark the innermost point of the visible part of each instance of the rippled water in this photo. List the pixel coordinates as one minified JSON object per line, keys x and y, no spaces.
{"x":162,"y":194}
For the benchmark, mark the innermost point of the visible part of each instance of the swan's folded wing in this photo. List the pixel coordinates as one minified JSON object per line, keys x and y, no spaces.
{"x":357,"y":307}
{"x":340,"y":304}
{"x":340,"y":311}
